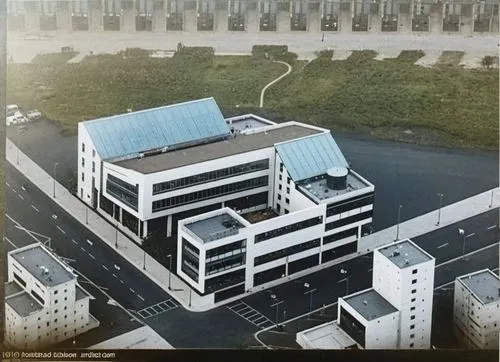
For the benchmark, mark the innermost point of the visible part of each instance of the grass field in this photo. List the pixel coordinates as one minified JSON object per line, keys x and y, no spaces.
{"x":393,"y":98}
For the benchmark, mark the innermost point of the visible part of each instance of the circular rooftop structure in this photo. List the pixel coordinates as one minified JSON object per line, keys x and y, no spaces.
{"x":336,"y":178}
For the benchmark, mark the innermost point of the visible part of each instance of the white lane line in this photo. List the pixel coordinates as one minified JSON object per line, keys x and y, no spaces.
{"x":104,"y":266}
{"x":492,"y":227}
{"x":342,"y":280}
{"x":14,"y":190}
{"x":369,"y":270}
{"x":61,"y":230}
{"x":74,"y":241}
{"x":442,"y":246}
{"x":83,"y":249}
{"x":8,"y":185}
{"x":34,"y":208}
{"x":121,"y":281}
{"x":20,"y":196}
{"x":114,"y":275}
{"x":133,"y":291}
{"x":93,"y":257}
{"x":141,"y":297}
{"x":472,"y":234}
{"x":10,"y":242}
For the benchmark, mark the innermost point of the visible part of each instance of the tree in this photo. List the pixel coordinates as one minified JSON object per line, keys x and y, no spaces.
{"x":487,"y":61}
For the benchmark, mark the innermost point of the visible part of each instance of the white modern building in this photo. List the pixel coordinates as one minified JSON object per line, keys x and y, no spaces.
{"x":476,"y":313}
{"x":396,"y":313}
{"x":257,"y":200}
{"x":44,"y":304}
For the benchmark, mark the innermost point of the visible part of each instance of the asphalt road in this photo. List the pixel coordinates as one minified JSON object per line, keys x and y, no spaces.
{"x":405,"y":174}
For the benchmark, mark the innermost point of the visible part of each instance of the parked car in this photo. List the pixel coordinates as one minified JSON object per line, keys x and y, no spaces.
{"x":34,"y":115}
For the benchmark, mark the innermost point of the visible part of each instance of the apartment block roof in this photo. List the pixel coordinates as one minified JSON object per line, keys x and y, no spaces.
{"x":370,"y":304}
{"x":12,"y":288}
{"x":215,"y":227}
{"x":80,"y":293}
{"x":23,"y":304}
{"x":405,"y":254}
{"x":136,"y":132}
{"x":211,"y":151}
{"x":44,"y":266}
{"x":484,"y":284}
{"x":311,"y":156}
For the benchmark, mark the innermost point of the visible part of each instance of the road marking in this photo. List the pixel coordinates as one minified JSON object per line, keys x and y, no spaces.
{"x":342,"y":280}
{"x":121,"y":281}
{"x":492,"y":227}
{"x":117,"y":267}
{"x":14,"y":191}
{"x":369,"y":270}
{"x":83,"y":249}
{"x":104,"y":266}
{"x":20,"y":196}
{"x":61,"y":230}
{"x":442,"y":246}
{"x":141,"y":297}
{"x":468,"y":254}
{"x":132,"y":290}
{"x":472,"y":234}
{"x":114,"y":275}
{"x":7,"y":184}
{"x":10,"y":242}
{"x":245,"y":311}
{"x":90,"y":242}
{"x":93,"y":257}
{"x":150,"y":311}
{"x":74,"y":241}
{"x":34,"y":208}
{"x":54,"y":217}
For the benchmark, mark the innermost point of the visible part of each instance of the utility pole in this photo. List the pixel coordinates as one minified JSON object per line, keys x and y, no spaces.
{"x":277,"y":304}
{"x":310,"y":292}
{"x":491,"y":202}
{"x":399,"y":220}
{"x":86,"y":215}
{"x":169,"y":256}
{"x":54,"y":183}
{"x":116,"y":235}
{"x":439,"y":211}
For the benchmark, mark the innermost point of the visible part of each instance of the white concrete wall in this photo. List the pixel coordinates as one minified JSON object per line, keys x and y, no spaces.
{"x":83,"y":137}
{"x":283,"y":21}
{"x":95,"y":16}
{"x":159,"y":20}
{"x":382,"y":333}
{"x":63,"y":16}
{"x":32,"y":17}
{"x":252,"y":20}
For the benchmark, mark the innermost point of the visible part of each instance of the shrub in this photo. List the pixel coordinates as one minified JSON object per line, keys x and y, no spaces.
{"x":135,"y":53}
{"x":488,"y":61}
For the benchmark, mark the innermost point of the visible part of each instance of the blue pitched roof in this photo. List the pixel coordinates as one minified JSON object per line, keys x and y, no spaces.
{"x":135,"y":132}
{"x":311,"y":156}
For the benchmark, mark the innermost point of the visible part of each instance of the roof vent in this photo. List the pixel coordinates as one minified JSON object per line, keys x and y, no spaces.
{"x":308,"y":186}
{"x":164,"y":149}
{"x":141,"y":155}
{"x":406,"y":254}
{"x":395,"y":253}
{"x":129,"y":110}
{"x":400,"y":246}
{"x":407,"y":261}
{"x":326,"y":191}
{"x":365,"y":302}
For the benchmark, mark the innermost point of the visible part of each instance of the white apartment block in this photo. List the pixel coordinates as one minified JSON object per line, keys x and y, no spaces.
{"x":396,"y":313}
{"x":476,"y":313}
{"x":249,"y":200}
{"x":44,"y":304}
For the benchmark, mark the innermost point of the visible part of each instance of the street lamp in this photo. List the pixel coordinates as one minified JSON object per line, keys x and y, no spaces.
{"x":116,"y":235}
{"x":439,"y":211}
{"x":491,"y":201}
{"x":144,"y":259}
{"x":399,"y":220}
{"x":169,"y":256}
{"x":277,"y":309}
{"x":190,"y":291}
{"x":462,"y":232}
{"x":54,"y":183}
{"x":17,"y":146}
{"x":310,"y":292}
{"x":344,"y":272}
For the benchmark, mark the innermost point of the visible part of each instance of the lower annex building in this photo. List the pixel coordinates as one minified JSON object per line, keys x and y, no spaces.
{"x":44,"y":304}
{"x":243,"y":201}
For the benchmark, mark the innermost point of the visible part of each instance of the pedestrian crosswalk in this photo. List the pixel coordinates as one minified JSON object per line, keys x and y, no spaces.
{"x":158,"y":308}
{"x":250,"y":314}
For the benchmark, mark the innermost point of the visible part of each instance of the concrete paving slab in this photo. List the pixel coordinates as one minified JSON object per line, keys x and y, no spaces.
{"x":387,"y":54}
{"x":77,"y":59}
{"x":473,"y":60}
{"x":140,"y":338}
{"x":429,"y":59}
{"x":341,"y":54}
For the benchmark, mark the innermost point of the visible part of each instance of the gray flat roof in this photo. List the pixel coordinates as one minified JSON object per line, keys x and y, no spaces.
{"x":370,"y":304}
{"x":12,"y":288}
{"x":484,"y":284}
{"x":80,"y":293}
{"x":215,"y":228}
{"x":215,"y":150}
{"x":317,"y":189}
{"x":35,"y":258}
{"x":24,"y":304}
{"x":247,"y":123}
{"x":405,"y":254}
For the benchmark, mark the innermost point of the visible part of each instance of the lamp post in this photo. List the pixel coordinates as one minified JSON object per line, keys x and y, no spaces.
{"x":116,"y":235}
{"x":190,"y":291}
{"x":491,"y":201}
{"x":54,"y":183}
{"x":439,"y":210}
{"x":17,"y":146}
{"x":310,"y":292}
{"x":462,"y":232}
{"x":399,"y":220}
{"x":169,"y":256}
{"x":277,"y":304}
{"x":344,"y":272}
{"x":144,"y":259}
{"x":86,"y":215}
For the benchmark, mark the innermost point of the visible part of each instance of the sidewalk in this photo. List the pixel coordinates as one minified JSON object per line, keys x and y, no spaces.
{"x":180,"y":291}
{"x":140,"y":338}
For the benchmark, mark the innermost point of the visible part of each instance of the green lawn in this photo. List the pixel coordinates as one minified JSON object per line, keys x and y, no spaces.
{"x":441,"y":105}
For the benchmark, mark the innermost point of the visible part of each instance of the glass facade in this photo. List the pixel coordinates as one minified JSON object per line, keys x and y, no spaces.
{"x":224,"y":281}
{"x":351,"y":204}
{"x":282,"y":253}
{"x":338,"y":236}
{"x":209,"y":193}
{"x":221,"y":252}
{"x":123,"y":191}
{"x":288,"y":229}
{"x":348,"y":220}
{"x":190,"y":260}
{"x":269,"y":275}
{"x":339,"y":252}
{"x":352,"y":327}
{"x":210,"y":176}
{"x":229,"y":262}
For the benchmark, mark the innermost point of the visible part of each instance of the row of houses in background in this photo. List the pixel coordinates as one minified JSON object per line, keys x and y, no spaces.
{"x":253,"y":16}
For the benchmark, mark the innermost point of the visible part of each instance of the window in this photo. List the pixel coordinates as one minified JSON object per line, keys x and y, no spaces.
{"x":83,"y":176}
{"x":412,"y":308}
{"x":93,"y":153}
{"x":93,"y":166}
{"x":413,"y":291}
{"x":288,"y":190}
{"x":348,"y":220}
{"x":287,"y":200}
{"x":279,"y":196}
{"x":278,"y":254}
{"x":48,"y":323}
{"x":281,"y":166}
{"x":65,"y":308}
{"x":286,"y":211}
{"x":56,"y":301}
{"x":414,"y":281}
{"x":412,"y":326}
{"x":65,"y":290}
{"x":56,"y":329}
{"x":412,"y":317}
{"x":281,"y":177}
{"x":83,"y":161}
{"x":280,"y":187}
{"x":55,"y":321}
{"x":353,"y":203}
{"x":288,"y":180}
{"x":57,"y":310}
{"x":414,"y":271}
{"x":411,"y":345}
{"x":65,"y":298}
{"x":83,"y":147}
